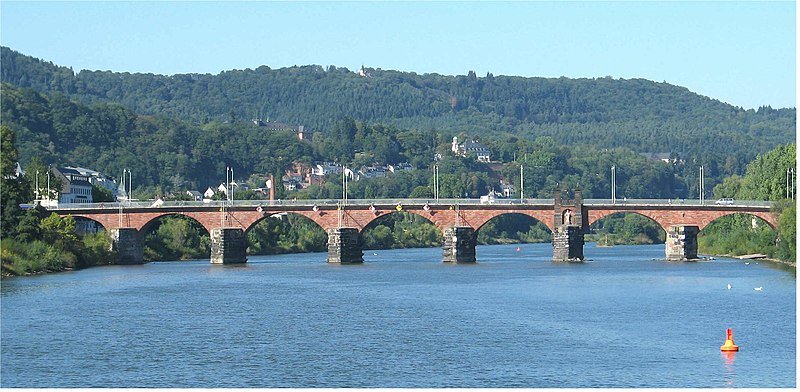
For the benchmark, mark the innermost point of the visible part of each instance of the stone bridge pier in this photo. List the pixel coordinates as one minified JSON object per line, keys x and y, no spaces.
{"x":345,"y":246}
{"x":228,"y":246}
{"x":682,"y":243}
{"x":570,"y":225}
{"x":458,"y":244}
{"x":127,"y":243}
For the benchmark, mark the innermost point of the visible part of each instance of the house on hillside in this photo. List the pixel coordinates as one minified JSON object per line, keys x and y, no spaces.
{"x":299,"y":130}
{"x":482,"y":153}
{"x":208,"y":194}
{"x":507,"y":190}
{"x":291,"y":183}
{"x":404,"y":166}
{"x":195,"y":195}
{"x":662,"y":156}
{"x":301,"y":173}
{"x":374,"y":171}
{"x":326,"y":168}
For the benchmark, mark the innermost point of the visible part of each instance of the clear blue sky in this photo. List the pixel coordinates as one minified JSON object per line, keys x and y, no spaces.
{"x":740,"y":53}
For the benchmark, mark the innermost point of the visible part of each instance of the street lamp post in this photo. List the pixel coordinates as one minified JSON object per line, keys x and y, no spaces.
{"x":436,"y":182}
{"x":130,"y":185}
{"x":128,"y":195}
{"x":521,"y":183}
{"x":701,"y":185}
{"x":36,"y":194}
{"x":49,"y":202}
{"x":229,"y":181}
{"x":613,"y":184}
{"x":344,"y":195}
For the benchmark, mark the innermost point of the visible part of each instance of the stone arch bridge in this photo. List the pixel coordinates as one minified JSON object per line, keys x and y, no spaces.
{"x":567,"y":216}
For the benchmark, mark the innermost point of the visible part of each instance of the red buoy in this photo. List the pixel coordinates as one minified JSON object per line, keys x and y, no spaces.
{"x":729,"y":345}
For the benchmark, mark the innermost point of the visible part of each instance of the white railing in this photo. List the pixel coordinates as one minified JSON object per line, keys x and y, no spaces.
{"x":322,"y":203}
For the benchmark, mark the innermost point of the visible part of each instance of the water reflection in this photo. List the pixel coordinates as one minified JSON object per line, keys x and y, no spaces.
{"x":728,"y":357}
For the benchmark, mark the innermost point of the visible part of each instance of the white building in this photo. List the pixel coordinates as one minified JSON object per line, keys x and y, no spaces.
{"x":71,"y":186}
{"x":326,"y":168}
{"x":482,"y":153}
{"x":195,"y":195}
{"x":374,"y":171}
{"x":405,"y":166}
{"x":508,"y":190}
{"x":96,"y":178}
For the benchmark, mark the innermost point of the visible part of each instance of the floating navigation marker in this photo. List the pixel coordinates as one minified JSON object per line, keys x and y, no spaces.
{"x":729,"y":345}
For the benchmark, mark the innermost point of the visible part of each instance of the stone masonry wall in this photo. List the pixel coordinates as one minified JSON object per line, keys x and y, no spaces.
{"x":228,"y":246}
{"x":568,"y":244}
{"x":681,"y":244}
{"x":458,"y":245}
{"x":344,"y":246}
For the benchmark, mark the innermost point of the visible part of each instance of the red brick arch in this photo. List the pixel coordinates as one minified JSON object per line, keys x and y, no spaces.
{"x":147,"y":226}
{"x":268,"y":214}
{"x":375,"y":217}
{"x":597,"y":215}
{"x":769,"y":218}
{"x":544,"y":217}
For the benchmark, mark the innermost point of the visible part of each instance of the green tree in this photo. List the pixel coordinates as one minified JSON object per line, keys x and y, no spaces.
{"x":13,"y":190}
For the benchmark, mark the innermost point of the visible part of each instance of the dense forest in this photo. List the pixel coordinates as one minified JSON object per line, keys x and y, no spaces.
{"x":639,"y":114}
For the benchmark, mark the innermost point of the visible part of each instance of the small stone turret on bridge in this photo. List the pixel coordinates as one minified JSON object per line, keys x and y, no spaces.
{"x":458,"y":220}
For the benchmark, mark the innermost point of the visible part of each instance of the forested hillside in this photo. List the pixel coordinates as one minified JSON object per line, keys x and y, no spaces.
{"x":642,"y":115}
{"x":167,"y":155}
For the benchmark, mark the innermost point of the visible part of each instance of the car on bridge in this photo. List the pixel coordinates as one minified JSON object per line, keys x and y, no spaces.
{"x":725,"y":201}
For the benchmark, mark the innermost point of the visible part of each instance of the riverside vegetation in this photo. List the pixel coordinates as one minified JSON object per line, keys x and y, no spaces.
{"x":175,"y":133}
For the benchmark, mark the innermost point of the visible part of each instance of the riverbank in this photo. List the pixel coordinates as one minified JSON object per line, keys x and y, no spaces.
{"x":792,"y":264}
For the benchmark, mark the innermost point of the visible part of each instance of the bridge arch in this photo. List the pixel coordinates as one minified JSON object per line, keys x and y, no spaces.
{"x":154,"y":220}
{"x":185,"y":238}
{"x":478,"y":218}
{"x":766,"y":217}
{"x":401,"y":227}
{"x":596,"y":215}
{"x":105,"y":221}
{"x":659,"y":234}
{"x":273,"y":234}
{"x":88,"y":224}
{"x":517,"y":217}
{"x":280,"y":215}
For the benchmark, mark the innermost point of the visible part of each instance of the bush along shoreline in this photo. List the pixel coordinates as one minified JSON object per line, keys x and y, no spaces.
{"x":48,"y":243}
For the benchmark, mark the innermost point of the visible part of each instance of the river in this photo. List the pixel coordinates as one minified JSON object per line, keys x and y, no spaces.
{"x":405,"y":319}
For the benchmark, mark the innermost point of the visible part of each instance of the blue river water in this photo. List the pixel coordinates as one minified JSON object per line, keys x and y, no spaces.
{"x":405,"y":319}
